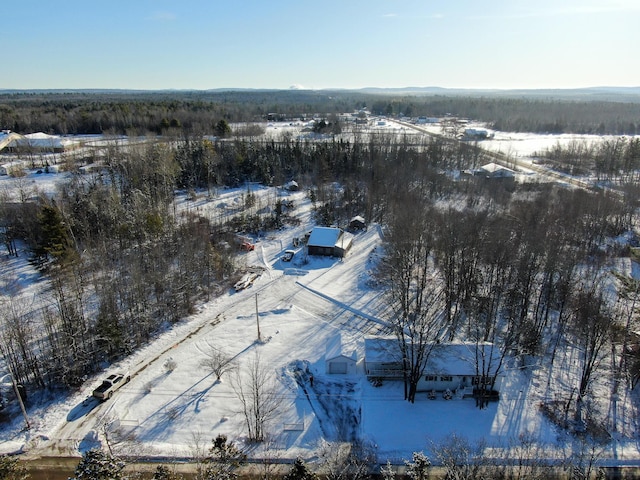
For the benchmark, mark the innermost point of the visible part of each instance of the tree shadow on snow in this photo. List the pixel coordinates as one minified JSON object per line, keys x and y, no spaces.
{"x":161,"y":421}
{"x":82,"y":409}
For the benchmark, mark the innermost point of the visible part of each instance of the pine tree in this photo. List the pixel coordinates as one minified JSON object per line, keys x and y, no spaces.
{"x":98,"y":465}
{"x":55,"y":240}
{"x":11,"y":469}
{"x":418,"y":469}
{"x":387,"y":472}
{"x":163,"y":473}
{"x":300,"y":471}
{"x":224,"y":460}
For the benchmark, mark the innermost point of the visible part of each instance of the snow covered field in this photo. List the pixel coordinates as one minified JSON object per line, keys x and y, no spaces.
{"x":300,"y":308}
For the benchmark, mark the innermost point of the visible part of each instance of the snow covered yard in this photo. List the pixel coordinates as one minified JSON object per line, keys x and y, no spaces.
{"x":174,"y":405}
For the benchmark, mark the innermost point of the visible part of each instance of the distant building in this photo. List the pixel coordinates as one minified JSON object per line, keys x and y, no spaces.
{"x":292,"y":186}
{"x":357,"y":223}
{"x":476,"y":134}
{"x":493,"y":170}
{"x":43,"y":143}
{"x":7,"y":138}
{"x":329,"y":241}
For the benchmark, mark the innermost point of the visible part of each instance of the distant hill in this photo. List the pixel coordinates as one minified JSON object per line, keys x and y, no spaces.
{"x":624,"y":94}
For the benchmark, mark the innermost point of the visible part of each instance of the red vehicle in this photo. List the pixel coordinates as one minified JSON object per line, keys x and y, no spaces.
{"x":247,"y":247}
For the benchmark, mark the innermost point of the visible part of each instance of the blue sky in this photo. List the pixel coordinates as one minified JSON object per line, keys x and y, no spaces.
{"x":198,"y":44}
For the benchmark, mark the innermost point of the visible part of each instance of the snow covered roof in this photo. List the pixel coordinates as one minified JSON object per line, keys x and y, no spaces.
{"x":494,"y":167}
{"x":357,"y":218}
{"x":335,"y":349}
{"x":456,"y":358}
{"x":324,"y":236}
{"x":42,"y":140}
{"x":6,"y":137}
{"x":381,"y":349}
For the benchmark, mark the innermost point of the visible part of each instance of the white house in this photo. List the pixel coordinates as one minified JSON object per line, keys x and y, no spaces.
{"x":339,"y":359}
{"x":329,"y":241}
{"x":453,"y":366}
{"x":41,"y":142}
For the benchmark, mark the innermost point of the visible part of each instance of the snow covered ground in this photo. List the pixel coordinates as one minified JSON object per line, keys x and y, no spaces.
{"x":300,"y":308}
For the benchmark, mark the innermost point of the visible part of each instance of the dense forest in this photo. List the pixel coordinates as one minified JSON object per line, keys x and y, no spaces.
{"x":144,"y":112}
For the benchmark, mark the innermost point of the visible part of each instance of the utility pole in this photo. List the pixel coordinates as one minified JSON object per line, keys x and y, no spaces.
{"x":258,"y":319}
{"x":17,"y":391}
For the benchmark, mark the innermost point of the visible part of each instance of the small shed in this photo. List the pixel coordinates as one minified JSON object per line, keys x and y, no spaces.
{"x":329,"y":241}
{"x":338,"y":359}
{"x":357,"y":223}
{"x":292,"y":186}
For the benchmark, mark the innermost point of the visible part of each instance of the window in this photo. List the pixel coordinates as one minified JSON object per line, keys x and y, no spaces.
{"x":446,"y":378}
{"x":430,"y":378}
{"x":480,"y":381}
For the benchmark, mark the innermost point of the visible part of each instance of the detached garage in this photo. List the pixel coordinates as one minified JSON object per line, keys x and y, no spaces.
{"x":338,"y":361}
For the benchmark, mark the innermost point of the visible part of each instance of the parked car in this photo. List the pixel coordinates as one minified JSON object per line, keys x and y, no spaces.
{"x":246,"y":281}
{"x":288,"y":255}
{"x":111,"y":384}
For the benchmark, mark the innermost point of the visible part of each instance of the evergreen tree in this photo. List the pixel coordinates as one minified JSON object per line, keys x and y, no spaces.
{"x":387,"y":472}
{"x":222,"y":128}
{"x":98,"y":465}
{"x":418,"y":468}
{"x":225,"y":458}
{"x":55,"y":241}
{"x":11,"y":469}
{"x":300,"y":471}
{"x":163,"y":473}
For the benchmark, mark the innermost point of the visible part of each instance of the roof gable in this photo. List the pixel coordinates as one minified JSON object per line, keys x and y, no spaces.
{"x":336,"y":349}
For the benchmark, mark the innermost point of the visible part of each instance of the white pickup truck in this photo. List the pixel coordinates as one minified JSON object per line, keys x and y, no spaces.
{"x":111,"y":384}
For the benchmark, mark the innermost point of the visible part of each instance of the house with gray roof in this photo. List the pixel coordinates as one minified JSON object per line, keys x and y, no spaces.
{"x":455,"y":366}
{"x":329,"y":241}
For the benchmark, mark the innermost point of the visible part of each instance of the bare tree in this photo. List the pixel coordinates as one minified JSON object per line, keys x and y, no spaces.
{"x":582,"y":461}
{"x":347,"y":461}
{"x":592,"y":326}
{"x":414,"y":292}
{"x":523,"y":460}
{"x":218,"y":362}
{"x":197,"y":446}
{"x":461,"y":459}
{"x":255,"y":387}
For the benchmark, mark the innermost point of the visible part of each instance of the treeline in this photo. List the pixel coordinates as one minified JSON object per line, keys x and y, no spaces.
{"x":142,"y":112}
{"x":525,"y":114}
{"x":613,"y":160}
